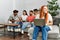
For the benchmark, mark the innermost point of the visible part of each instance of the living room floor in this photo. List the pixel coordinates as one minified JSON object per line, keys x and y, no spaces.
{"x":18,"y":37}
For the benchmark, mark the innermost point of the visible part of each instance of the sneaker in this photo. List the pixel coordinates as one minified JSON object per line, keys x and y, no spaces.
{"x":28,"y":34}
{"x":9,"y":29}
{"x":22,"y":31}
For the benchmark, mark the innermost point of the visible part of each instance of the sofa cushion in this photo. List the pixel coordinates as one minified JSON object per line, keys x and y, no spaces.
{"x":54,"y":33}
{"x":49,"y":39}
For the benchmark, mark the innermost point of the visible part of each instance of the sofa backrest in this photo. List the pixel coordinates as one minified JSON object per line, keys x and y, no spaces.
{"x":56,"y":21}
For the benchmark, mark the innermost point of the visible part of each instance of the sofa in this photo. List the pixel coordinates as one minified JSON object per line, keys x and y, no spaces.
{"x":52,"y":35}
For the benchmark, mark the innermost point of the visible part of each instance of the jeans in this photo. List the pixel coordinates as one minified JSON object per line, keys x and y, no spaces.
{"x":20,"y":23}
{"x":25,"y":24}
{"x":44,"y":31}
{"x":15,"y":27}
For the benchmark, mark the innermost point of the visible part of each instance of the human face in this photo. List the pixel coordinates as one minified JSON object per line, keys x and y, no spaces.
{"x":24,"y":13}
{"x":45,"y":9}
{"x":31,"y":13}
{"x":15,"y":14}
{"x":36,"y":12}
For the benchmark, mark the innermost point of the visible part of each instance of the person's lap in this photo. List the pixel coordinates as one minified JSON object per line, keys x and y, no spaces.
{"x":25,"y":24}
{"x":38,"y":29}
{"x":15,"y":27}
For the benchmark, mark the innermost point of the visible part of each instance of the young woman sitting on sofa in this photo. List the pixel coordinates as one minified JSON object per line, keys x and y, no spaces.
{"x":29,"y":21}
{"x":47,"y":27}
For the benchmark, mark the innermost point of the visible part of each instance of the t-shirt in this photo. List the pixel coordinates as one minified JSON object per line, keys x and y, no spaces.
{"x":24,"y":17}
{"x":49,"y":18}
{"x":37,"y":16}
{"x":30,"y":18}
{"x":13,"y":17}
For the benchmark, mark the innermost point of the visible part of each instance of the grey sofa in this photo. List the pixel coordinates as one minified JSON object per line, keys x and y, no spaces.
{"x":52,"y":35}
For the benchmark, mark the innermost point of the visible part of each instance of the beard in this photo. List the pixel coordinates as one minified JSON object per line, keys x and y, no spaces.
{"x":30,"y":14}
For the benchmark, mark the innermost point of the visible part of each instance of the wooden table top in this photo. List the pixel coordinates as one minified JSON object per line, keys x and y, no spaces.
{"x":9,"y":24}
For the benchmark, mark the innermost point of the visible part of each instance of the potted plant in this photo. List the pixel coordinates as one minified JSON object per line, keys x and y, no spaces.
{"x":53,"y":10}
{"x":53,"y":7}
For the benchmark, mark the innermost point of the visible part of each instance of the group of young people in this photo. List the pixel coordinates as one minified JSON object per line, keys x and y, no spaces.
{"x":28,"y":20}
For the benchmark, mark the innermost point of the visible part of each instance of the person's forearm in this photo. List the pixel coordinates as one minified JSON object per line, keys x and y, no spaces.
{"x":12,"y":21}
{"x":50,"y":23}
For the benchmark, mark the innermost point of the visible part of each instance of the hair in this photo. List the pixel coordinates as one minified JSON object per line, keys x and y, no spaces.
{"x":25,"y":11}
{"x":42,"y":13}
{"x":15,"y":11}
{"x":31,"y":11}
{"x":35,"y":10}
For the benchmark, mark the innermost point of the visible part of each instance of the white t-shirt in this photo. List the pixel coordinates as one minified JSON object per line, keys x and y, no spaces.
{"x":13,"y":17}
{"x":37,"y":16}
{"x":49,"y":18}
{"x":24,"y":17}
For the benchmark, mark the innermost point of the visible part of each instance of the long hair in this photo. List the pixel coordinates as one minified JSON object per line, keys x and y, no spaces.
{"x":42,"y":13}
{"x":25,"y":12}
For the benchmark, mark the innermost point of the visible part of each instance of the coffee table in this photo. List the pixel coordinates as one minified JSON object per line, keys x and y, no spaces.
{"x":7,"y":24}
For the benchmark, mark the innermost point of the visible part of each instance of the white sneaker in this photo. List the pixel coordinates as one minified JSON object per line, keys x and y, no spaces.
{"x":22,"y":31}
{"x":30,"y":37}
{"x":28,"y":34}
{"x":19,"y":29}
{"x":9,"y":29}
{"x":16,"y":30}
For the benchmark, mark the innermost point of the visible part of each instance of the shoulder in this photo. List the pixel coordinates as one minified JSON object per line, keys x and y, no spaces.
{"x":11,"y":16}
{"x":49,"y":15}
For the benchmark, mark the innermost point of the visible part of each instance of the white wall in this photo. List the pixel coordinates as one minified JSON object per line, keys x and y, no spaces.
{"x":29,"y":4}
{"x":6,"y":7}
{"x":20,"y":5}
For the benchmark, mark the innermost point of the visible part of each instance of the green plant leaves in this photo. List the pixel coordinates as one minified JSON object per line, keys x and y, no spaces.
{"x":53,"y":7}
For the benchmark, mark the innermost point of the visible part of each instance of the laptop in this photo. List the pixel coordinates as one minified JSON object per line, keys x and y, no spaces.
{"x":39,"y":22}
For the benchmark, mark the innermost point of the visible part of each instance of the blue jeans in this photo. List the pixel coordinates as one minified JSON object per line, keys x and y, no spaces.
{"x":20,"y":23}
{"x":15,"y":27}
{"x":25,"y":24}
{"x":44,"y":31}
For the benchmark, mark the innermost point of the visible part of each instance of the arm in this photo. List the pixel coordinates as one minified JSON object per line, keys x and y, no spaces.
{"x":11,"y":19}
{"x":19,"y":19}
{"x":50,"y":23}
{"x":50,"y":20}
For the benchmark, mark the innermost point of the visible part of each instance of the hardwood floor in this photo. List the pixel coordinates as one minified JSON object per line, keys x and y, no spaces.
{"x":18,"y":37}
